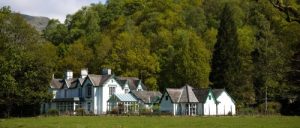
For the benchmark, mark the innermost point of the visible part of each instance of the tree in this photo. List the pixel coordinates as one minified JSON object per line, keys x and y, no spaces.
{"x":292,"y":13}
{"x":227,"y":70}
{"x":25,"y":67}
{"x":191,"y":60}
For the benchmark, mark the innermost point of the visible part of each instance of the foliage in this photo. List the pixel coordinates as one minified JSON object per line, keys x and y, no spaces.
{"x":52,"y":112}
{"x":80,"y":112}
{"x":247,"y":47}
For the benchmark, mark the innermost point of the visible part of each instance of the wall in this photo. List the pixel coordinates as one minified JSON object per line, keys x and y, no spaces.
{"x":166,"y":105}
{"x":105,"y":93}
{"x":209,"y":105}
{"x":226,"y":105}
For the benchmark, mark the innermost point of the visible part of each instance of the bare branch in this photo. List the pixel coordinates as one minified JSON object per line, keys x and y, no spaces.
{"x":292,"y":13}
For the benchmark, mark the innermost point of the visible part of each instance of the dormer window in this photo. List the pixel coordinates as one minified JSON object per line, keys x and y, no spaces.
{"x":167,"y":97}
{"x":126,"y":90}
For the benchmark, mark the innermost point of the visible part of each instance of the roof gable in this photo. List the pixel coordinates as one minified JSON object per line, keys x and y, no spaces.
{"x":174,"y":94}
{"x":218,"y":92}
{"x":187,"y":95}
{"x":56,"y":83}
{"x":97,"y":80}
{"x":201,"y":94}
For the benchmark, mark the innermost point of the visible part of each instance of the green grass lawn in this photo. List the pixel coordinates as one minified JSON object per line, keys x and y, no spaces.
{"x":152,"y":122}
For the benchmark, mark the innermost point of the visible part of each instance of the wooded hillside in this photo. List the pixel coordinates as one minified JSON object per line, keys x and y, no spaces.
{"x":247,"y":47}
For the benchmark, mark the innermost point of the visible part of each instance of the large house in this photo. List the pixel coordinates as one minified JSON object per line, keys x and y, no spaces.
{"x":190,"y":101}
{"x":90,"y":92}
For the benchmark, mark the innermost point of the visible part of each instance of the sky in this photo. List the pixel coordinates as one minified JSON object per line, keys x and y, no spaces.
{"x":53,"y":9}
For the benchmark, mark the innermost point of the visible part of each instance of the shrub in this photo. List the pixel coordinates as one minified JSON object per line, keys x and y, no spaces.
{"x":52,"y":112}
{"x":80,"y":112}
{"x":248,"y":111}
{"x":273,"y":108}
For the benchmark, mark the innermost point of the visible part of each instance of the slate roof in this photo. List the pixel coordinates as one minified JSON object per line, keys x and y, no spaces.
{"x":187,"y":95}
{"x":201,"y":94}
{"x":217,"y":92}
{"x":56,"y":83}
{"x":174,"y":94}
{"x":147,"y":96}
{"x":71,"y":83}
{"x":133,"y":82}
{"x":182,"y":95}
{"x":122,"y":98}
{"x":99,"y":80}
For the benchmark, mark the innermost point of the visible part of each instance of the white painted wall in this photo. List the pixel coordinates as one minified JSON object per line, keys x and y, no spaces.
{"x":166,"y":105}
{"x":105,"y":93}
{"x":226,"y":105}
{"x":209,"y":105}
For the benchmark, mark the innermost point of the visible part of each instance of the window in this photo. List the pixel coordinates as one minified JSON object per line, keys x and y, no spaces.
{"x":126,"y":90}
{"x":193,"y":109}
{"x":112,"y":90}
{"x":80,"y":92}
{"x":65,"y":93}
{"x":54,"y":94}
{"x":89,"y":91}
{"x":167,"y":97}
{"x":139,"y":90}
{"x":89,"y":106}
{"x":209,"y":97}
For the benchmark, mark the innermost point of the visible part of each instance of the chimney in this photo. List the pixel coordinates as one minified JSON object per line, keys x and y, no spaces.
{"x":69,"y":74}
{"x":84,"y":72}
{"x":106,"y":71}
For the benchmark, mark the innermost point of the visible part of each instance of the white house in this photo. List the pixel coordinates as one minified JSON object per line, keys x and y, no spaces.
{"x":190,"y":101}
{"x":225,"y":104}
{"x":90,"y":92}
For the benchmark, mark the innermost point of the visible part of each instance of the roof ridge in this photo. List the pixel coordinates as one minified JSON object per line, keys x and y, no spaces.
{"x":181,"y":90}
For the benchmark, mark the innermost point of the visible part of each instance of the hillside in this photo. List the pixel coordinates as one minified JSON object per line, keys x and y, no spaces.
{"x":38,"y":22}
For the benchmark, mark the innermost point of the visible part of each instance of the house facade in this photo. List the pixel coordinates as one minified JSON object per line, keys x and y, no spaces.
{"x":190,"y":101}
{"x":89,"y":92}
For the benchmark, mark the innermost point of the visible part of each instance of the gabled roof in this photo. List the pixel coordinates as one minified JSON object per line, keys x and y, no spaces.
{"x":187,"y":95}
{"x":122,"y":98}
{"x":71,"y":83}
{"x":147,"y":96}
{"x":217,"y":92}
{"x":201,"y":94}
{"x":98,"y":80}
{"x":132,"y":82}
{"x":174,"y":94}
{"x":182,"y":95}
{"x":56,"y":83}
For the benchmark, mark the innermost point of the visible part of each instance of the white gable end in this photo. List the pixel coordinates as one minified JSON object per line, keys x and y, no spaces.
{"x":225,"y":104}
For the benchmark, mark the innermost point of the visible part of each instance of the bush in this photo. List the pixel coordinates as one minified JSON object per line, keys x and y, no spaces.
{"x":248,"y":111}
{"x":273,"y":108}
{"x":52,"y":112}
{"x":80,"y":112}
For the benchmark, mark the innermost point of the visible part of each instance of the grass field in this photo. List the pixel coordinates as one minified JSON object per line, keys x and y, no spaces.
{"x":152,"y":122}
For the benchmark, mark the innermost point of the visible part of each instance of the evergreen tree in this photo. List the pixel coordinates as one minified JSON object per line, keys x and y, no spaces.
{"x":226,"y":63}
